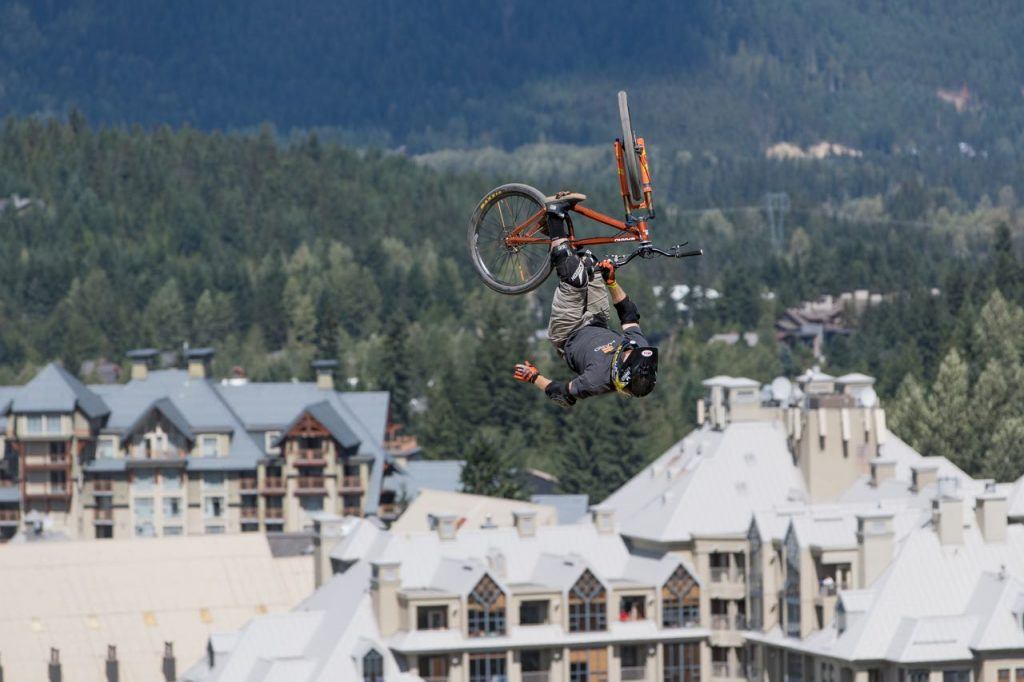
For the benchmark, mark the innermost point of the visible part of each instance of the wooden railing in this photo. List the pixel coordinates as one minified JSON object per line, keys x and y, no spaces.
{"x":273,"y":513}
{"x":102,"y":485}
{"x":250,"y":512}
{"x":9,"y":514}
{"x":310,"y":483}
{"x":351,"y":483}
{"x":104,"y":514}
{"x":247,"y":483}
{"x":273,"y":483}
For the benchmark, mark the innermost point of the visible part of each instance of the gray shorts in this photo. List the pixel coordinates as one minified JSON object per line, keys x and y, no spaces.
{"x":572,"y":308}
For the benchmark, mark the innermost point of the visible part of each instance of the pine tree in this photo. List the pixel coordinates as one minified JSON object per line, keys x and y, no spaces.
{"x":393,"y":369}
{"x":1006,"y":269}
{"x":599,"y":446}
{"x":301,"y":313}
{"x":163,"y":321}
{"x":951,"y":432}
{"x":1004,"y":460}
{"x":909,"y":413}
{"x":998,"y":397}
{"x":999,"y":330}
{"x":489,"y":469}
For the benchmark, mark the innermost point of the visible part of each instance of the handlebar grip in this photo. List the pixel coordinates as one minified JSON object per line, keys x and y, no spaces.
{"x":687,"y":254}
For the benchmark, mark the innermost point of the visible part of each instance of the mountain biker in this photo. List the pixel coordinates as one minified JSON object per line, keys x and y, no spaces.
{"x":603,"y":360}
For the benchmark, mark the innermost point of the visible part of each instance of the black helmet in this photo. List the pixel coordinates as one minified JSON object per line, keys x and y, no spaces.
{"x":637,"y":374}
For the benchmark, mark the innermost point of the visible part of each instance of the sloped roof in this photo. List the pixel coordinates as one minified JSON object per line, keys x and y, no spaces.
{"x":570,"y":508}
{"x":709,"y":484}
{"x":329,"y":418}
{"x":54,"y":389}
{"x":416,"y":475}
{"x":473,"y":511}
{"x":167,"y":408}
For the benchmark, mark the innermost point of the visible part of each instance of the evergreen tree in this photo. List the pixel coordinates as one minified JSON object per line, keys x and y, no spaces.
{"x":998,"y":398}
{"x":393,"y":369}
{"x":1004,"y":460}
{"x":163,"y":321}
{"x":599,"y":446}
{"x":301,"y":314}
{"x":213,"y":318}
{"x":950,"y":433}
{"x":909,"y":414}
{"x":999,"y":330}
{"x":489,"y":470}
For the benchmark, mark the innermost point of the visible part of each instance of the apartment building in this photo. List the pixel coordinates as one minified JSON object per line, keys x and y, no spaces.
{"x":174,"y":452}
{"x":788,"y":509}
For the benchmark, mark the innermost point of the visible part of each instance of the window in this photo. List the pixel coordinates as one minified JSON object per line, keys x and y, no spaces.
{"x":588,"y":665}
{"x":1018,"y":675}
{"x":144,"y":479}
{"x":680,"y":601}
{"x":791,"y":589}
{"x":214,"y":508}
{"x":214,"y":530}
{"x":209,"y":446}
{"x":1003,"y":675}
{"x":105,"y":448}
{"x":104,"y":532}
{"x":431,"y":617}
{"x":171,"y":479}
{"x":917,"y":675}
{"x":34,"y":424}
{"x":373,"y":667}
{"x":172,"y":530}
{"x":433,"y":667}
{"x":172,"y":507}
{"x":587,"y":606}
{"x":533,"y":612}
{"x":487,"y":668}
{"x":794,"y":667}
{"x":41,"y":424}
{"x":755,"y":580}
{"x":143,"y":507}
{"x":632,"y":608}
{"x":268,"y":442}
{"x":634,"y":663}
{"x":486,"y":604}
{"x":533,"y":661}
{"x":213,"y":480}
{"x":312,"y":503}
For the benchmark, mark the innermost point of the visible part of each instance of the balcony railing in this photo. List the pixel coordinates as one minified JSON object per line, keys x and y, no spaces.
{"x":352,"y":511}
{"x":388,"y":510}
{"x":719,"y":669}
{"x":541,"y":676}
{"x":314,"y":484}
{"x":725,"y":574}
{"x":102,"y":485}
{"x":636,"y":672}
{"x":827,"y":589}
{"x":273,"y":484}
{"x":247,"y":483}
{"x":9,"y":514}
{"x":310,"y":458}
{"x":104,"y":514}
{"x":740,"y":621}
{"x":719,"y":621}
{"x":273,"y":513}
{"x":351,"y":483}
{"x":51,"y":461}
{"x":249,"y":512}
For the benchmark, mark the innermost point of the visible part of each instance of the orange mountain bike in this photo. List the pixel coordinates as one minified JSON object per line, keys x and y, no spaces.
{"x":508,"y":239}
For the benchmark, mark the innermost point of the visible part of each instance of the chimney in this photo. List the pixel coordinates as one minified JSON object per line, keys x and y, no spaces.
{"x":328,"y":529}
{"x":325,"y":373}
{"x":700,"y":412}
{"x":525,"y":522}
{"x":112,"y":671}
{"x":991,"y":511}
{"x":199,"y":360}
{"x":386,"y":579}
{"x":170,"y":668}
{"x":141,"y":361}
{"x":948,"y":519}
{"x":874,"y":545}
{"x":923,"y":475}
{"x":54,"y":667}
{"x":446,"y":524}
{"x":604,"y":519}
{"x":882,"y":470}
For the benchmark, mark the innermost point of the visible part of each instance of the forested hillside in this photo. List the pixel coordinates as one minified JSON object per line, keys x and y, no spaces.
{"x":456,"y":73}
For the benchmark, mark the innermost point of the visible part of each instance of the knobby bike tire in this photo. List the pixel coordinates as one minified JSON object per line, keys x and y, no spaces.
{"x":629,"y":153}
{"x":485,"y":230}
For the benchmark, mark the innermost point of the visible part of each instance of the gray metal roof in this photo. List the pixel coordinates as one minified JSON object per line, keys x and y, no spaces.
{"x":165,"y":407}
{"x":329,"y":418}
{"x":106,"y":465}
{"x":570,"y":508}
{"x":412,"y":477}
{"x":54,"y":389}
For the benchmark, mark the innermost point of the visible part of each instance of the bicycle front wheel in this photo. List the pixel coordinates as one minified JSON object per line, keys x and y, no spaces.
{"x":629,"y":153}
{"x":508,"y":240}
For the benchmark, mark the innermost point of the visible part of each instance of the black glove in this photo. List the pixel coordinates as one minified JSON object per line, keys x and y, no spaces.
{"x":559,"y":393}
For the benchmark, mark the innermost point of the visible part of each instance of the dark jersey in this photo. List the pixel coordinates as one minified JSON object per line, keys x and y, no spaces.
{"x":589,"y":353}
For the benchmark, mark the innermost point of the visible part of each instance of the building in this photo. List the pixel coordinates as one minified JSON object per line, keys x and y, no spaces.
{"x":81,"y":597}
{"x":174,"y":452}
{"x":809,"y":542}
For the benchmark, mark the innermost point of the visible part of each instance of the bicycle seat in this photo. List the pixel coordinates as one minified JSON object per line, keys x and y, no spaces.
{"x":564,"y":199}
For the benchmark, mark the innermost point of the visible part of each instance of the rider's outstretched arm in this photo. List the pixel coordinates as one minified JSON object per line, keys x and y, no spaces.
{"x":555,"y":390}
{"x":629,"y":316}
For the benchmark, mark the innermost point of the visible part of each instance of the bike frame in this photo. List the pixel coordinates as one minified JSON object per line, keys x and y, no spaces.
{"x":633,"y":229}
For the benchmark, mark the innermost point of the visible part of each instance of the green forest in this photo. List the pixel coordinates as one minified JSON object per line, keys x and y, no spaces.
{"x":288,"y":184}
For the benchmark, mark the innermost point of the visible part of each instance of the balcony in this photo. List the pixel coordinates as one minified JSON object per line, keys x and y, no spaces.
{"x":273,"y":513}
{"x":102,"y":485}
{"x":311,"y":458}
{"x":720,"y":669}
{"x":636,"y":672}
{"x":249,"y":512}
{"x":351,"y":511}
{"x":388,"y":511}
{"x":350,"y":484}
{"x":723,"y":574}
{"x":9,"y":515}
{"x":247,"y":484}
{"x":51,"y":462}
{"x":48,"y":490}
{"x":310,"y":485}
{"x":273,"y":485}
{"x":104,"y":515}
{"x":720,"y":621}
{"x":543,"y":676}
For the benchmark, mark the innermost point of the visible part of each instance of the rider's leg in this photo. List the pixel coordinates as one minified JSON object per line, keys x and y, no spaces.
{"x":572,"y":308}
{"x":571,"y":269}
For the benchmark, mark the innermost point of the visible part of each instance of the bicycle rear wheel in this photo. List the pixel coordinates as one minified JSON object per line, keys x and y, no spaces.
{"x":511,"y":211}
{"x":629,"y":153}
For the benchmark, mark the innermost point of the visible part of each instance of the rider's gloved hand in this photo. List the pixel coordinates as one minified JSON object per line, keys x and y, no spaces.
{"x":607,"y":269}
{"x":526,"y":372}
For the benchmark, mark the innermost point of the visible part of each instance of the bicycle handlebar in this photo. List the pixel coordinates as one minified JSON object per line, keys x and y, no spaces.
{"x":647,"y":250}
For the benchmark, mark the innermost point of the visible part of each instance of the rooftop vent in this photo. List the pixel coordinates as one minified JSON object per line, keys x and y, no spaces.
{"x":882,"y":470}
{"x":141,"y":360}
{"x":525,"y":522}
{"x":445,"y":524}
{"x":325,"y":373}
{"x":923,"y":475}
{"x":199,"y":361}
{"x":991,"y":511}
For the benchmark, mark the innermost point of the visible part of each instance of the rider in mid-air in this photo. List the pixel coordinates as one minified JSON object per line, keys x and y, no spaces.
{"x":603,"y":360}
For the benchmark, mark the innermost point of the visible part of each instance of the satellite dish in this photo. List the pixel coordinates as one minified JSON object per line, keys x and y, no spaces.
{"x":868,"y":397}
{"x":782,"y":389}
